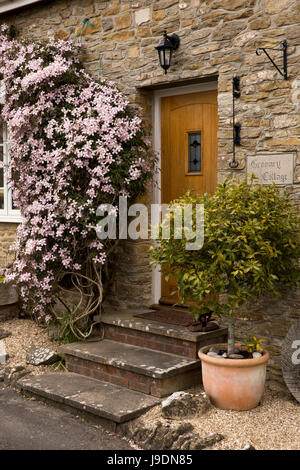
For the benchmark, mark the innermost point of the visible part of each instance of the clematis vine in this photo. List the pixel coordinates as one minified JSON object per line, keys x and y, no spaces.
{"x":74,"y":144}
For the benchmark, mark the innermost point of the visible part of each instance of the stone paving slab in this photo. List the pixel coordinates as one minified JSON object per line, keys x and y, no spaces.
{"x":89,"y":395}
{"x":140,"y":360}
{"x":126,"y":319}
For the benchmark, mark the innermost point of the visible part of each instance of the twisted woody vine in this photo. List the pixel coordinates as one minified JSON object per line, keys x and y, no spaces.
{"x":74,"y":144}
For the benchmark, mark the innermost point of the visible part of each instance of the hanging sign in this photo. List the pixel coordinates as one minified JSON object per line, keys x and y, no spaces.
{"x":278,"y":169}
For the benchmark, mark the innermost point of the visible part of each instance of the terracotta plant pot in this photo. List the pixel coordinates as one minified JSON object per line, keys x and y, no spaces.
{"x":233,"y":384}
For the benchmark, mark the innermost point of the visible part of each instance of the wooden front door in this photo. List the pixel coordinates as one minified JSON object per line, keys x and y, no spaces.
{"x":188,"y":152}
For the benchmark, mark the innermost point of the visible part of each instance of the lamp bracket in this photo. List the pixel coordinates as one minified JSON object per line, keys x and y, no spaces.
{"x":174,"y":38}
{"x":283,"y":48}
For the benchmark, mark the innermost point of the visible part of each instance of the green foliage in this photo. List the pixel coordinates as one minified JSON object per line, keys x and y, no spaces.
{"x":65,"y":327}
{"x":251,"y":246}
{"x":253,"y":344}
{"x":61,"y":364}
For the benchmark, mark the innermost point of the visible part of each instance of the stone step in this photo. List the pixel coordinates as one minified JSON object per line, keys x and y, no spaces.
{"x":123,"y":326}
{"x":145,"y":370}
{"x":105,"y":403}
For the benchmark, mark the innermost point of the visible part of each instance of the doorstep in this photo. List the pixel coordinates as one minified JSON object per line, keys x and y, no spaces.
{"x":101,"y":402}
{"x":124,"y":327}
{"x":145,"y":370}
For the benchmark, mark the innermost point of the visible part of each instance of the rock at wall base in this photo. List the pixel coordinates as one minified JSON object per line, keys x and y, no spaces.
{"x":161,"y":436}
{"x":9,"y":312}
{"x":39,"y":356}
{"x":13,"y":374}
{"x":4,"y":333}
{"x":182,"y":404}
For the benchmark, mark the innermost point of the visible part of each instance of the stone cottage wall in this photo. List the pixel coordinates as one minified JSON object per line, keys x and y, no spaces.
{"x":218,"y":39}
{"x":270,"y":319}
{"x":7,"y":237}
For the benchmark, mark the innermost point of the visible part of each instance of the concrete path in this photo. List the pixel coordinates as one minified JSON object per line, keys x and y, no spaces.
{"x":32,"y":425}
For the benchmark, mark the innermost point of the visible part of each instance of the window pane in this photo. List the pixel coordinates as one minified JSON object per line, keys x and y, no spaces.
{"x":195,"y":152}
{"x":1,"y":168}
{"x":12,"y":201}
{"x":1,"y":177}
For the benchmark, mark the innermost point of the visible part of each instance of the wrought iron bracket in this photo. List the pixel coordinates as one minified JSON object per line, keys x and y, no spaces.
{"x":237,"y":134}
{"x":283,"y":48}
{"x":236,"y":127}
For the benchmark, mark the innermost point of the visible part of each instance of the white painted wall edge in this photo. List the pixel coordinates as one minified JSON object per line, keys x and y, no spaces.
{"x":8,"y":5}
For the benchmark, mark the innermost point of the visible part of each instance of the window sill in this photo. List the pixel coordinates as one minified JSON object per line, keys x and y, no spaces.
{"x":16,"y":219}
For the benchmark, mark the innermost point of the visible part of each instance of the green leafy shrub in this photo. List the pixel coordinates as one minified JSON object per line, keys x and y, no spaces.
{"x":251,"y":246}
{"x":253,"y":344}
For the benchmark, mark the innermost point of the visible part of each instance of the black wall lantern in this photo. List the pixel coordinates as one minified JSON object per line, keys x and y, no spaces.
{"x":165,"y":50}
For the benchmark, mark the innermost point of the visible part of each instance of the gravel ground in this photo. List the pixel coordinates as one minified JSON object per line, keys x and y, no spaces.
{"x":274,"y":424}
{"x":24,"y":333}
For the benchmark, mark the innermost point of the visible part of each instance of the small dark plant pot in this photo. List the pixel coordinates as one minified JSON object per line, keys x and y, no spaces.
{"x":233,"y":384}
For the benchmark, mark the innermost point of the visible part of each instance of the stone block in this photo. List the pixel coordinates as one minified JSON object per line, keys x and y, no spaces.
{"x":13,"y":374}
{"x":158,"y":15}
{"x":142,"y":16}
{"x":185,"y":23}
{"x":8,"y":294}
{"x":41,"y":356}
{"x":205,"y":48}
{"x":287,"y":19}
{"x":143,"y":32}
{"x":232,"y":4}
{"x":123,"y":21}
{"x":289,"y":142}
{"x":61,"y":34}
{"x":110,"y":11}
{"x":7,"y":312}
{"x":4,"y":333}
{"x":85,"y":394}
{"x":181,"y":404}
{"x":228,"y":31}
{"x":107,"y":24}
{"x":133,"y":52}
{"x":163,"y":4}
{"x":65,"y":14}
{"x":277,"y":6}
{"x":260,"y":23}
{"x":158,"y":435}
{"x":286,"y":120}
{"x":119,"y":36}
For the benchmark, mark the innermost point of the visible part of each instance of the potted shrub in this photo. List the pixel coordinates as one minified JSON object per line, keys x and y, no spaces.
{"x":251,"y":246}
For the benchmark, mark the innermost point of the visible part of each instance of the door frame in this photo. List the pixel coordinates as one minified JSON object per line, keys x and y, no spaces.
{"x":156,"y":142}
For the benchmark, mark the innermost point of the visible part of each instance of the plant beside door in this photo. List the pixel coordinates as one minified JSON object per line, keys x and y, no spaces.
{"x":251,"y":247}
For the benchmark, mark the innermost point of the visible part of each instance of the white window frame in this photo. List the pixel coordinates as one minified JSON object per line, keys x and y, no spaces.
{"x":8,"y":5}
{"x":8,"y":214}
